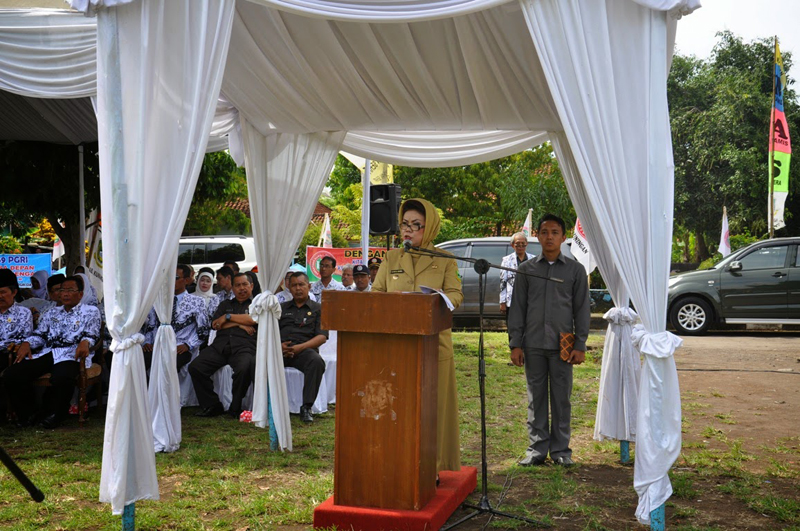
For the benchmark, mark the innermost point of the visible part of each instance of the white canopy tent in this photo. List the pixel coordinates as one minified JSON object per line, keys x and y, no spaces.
{"x":422,"y":82}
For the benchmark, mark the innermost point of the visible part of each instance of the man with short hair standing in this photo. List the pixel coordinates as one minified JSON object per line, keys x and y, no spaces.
{"x":301,"y":337}
{"x":542,"y":310}
{"x":327,"y":266}
{"x":361,"y":279}
{"x":347,"y":277}
{"x":65,"y":335}
{"x":235,"y":345}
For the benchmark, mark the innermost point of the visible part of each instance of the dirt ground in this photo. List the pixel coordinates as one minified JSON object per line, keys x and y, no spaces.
{"x":740,"y":396}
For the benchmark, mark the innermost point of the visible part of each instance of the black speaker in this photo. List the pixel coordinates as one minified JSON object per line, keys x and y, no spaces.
{"x":384,"y":202}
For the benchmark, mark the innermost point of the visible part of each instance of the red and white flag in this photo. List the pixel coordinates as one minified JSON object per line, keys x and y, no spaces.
{"x":580,"y":248}
{"x":527,"y":228}
{"x":725,"y":237}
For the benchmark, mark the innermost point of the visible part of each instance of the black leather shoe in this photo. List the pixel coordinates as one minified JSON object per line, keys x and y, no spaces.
{"x":305,"y":415}
{"x":530,"y":460}
{"x":50,"y":422}
{"x":213,"y":411}
{"x":565,"y":461}
{"x":234,"y":414}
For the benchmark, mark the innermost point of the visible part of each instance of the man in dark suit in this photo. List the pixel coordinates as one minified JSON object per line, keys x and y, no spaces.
{"x":235,"y":345}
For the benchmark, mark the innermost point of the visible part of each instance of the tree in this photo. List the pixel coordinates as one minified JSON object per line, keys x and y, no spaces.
{"x":40,"y":180}
{"x":344,"y":175}
{"x":491,"y":198}
{"x":719,"y":113}
{"x":220,"y":181}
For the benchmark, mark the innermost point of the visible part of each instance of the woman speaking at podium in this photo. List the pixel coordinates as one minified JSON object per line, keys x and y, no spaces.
{"x":407,"y":271}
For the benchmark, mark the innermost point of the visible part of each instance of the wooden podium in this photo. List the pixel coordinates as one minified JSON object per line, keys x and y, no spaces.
{"x":386,"y":391}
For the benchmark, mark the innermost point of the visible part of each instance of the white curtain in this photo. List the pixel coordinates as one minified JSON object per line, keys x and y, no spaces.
{"x":619,"y":376}
{"x":154,"y":114}
{"x":285,"y":175}
{"x":47,"y":53}
{"x":164,"y":392}
{"x":606,"y":65}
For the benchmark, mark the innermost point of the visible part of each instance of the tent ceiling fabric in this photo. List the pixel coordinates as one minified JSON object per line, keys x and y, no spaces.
{"x":298,"y":74}
{"x":47,"y":120}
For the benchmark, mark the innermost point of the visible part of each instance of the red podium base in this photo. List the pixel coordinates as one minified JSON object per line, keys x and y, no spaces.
{"x":454,"y":487}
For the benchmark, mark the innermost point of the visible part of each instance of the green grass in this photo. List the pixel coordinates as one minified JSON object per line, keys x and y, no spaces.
{"x":224,"y":477}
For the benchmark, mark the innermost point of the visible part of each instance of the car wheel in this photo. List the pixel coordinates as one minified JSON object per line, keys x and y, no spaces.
{"x":691,"y":316}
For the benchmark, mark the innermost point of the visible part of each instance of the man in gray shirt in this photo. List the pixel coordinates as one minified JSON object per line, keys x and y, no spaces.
{"x":542,"y":310}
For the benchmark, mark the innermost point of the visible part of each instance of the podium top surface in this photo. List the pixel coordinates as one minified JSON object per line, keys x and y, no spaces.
{"x":385,"y":313}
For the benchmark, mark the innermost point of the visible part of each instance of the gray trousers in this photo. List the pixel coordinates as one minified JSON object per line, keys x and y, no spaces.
{"x":545,"y":371}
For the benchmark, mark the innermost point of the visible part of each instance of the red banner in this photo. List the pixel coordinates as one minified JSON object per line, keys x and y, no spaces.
{"x":350,"y":255}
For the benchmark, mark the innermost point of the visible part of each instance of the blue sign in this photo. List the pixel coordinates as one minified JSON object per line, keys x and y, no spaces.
{"x":25,"y":265}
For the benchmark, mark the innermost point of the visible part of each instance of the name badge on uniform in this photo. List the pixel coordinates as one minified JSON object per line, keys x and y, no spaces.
{"x":398,"y":271}
{"x":434,"y":266}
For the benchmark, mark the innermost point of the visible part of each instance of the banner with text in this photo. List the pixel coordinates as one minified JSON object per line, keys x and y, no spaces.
{"x":780,"y":147}
{"x":25,"y":265}
{"x":350,"y":255}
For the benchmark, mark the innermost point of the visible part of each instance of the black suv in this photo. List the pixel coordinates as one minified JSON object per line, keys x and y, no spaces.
{"x":758,"y":284}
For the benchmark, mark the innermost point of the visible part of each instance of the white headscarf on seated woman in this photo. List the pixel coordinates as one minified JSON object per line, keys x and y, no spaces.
{"x":40,"y":278}
{"x":205,"y":287}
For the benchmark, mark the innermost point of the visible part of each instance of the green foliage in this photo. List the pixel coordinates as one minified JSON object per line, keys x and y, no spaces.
{"x":491,"y":198}
{"x":220,"y":181}
{"x":10,"y":245}
{"x":344,"y":175}
{"x":311,"y":237}
{"x":719,"y":113}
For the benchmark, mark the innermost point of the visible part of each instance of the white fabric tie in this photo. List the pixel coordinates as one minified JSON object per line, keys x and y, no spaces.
{"x":263,"y":304}
{"x":125,"y":344}
{"x":621,"y":316}
{"x":659,"y":345}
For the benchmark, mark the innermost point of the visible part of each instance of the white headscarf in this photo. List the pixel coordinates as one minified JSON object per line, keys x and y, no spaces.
{"x":206,"y":295}
{"x":89,"y":293}
{"x":41,"y":292}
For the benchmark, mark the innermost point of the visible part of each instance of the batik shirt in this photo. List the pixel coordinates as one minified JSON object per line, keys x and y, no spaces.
{"x":60,"y":331}
{"x":507,"y":277}
{"x":15,"y":325}
{"x":189,"y":320}
{"x":317,"y":288}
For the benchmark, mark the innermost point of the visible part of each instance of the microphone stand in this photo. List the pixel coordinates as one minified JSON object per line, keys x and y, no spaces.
{"x":12,"y":467}
{"x":483,"y":506}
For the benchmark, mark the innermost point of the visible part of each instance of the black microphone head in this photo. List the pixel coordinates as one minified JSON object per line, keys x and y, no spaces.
{"x":407,"y":245}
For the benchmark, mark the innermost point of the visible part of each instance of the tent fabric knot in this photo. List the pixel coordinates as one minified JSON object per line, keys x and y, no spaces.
{"x":656,"y":344}
{"x":621,"y":316}
{"x":127,"y":343}
{"x":264,"y":304}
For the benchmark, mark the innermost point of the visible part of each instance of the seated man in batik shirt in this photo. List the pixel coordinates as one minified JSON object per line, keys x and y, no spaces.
{"x":16,"y":323}
{"x":63,"y":338}
{"x":189,"y":320}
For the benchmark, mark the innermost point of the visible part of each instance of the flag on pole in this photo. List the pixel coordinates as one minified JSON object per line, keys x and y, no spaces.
{"x":780,"y":147}
{"x":58,"y":248}
{"x":580,"y":248}
{"x":325,"y":234}
{"x":725,"y":237}
{"x":527,"y":226}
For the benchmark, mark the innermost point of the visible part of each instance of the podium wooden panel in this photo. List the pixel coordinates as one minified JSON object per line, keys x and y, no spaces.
{"x":386,"y":392}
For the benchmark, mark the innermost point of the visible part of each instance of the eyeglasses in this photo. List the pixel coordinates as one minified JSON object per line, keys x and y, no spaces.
{"x":68,"y":290}
{"x":413,"y":227}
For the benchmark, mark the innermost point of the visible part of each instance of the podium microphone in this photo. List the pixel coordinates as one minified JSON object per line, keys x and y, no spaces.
{"x":406,"y":245}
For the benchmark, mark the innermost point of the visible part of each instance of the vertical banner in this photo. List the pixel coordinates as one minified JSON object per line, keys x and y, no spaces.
{"x":580,"y":248}
{"x":725,"y":237}
{"x":780,"y":147}
{"x":94,"y":261}
{"x":325,"y":237}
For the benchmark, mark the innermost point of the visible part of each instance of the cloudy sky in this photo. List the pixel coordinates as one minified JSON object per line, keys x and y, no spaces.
{"x":746,"y":18}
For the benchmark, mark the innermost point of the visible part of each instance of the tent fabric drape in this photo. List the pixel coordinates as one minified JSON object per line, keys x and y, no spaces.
{"x":381,"y":11}
{"x":619,"y":137}
{"x":164,"y":392}
{"x":296,"y":74}
{"x":47,"y":53}
{"x":285,"y":175}
{"x":154,"y":113}
{"x":619,"y":376}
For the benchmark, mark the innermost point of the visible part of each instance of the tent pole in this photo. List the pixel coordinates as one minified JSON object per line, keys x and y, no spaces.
{"x":365,"y":214}
{"x":129,"y":517}
{"x":624,"y":452}
{"x":81,"y":207}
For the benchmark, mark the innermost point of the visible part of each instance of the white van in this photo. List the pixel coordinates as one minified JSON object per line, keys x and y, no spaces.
{"x":213,"y":251}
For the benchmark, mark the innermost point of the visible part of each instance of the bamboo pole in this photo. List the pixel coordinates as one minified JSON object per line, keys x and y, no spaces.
{"x":772,"y":147}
